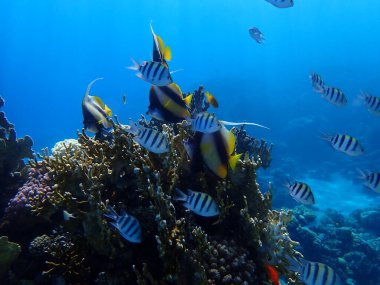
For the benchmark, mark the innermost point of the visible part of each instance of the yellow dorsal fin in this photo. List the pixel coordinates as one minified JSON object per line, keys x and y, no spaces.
{"x":176,"y":88}
{"x":233,"y":160}
{"x":230,"y":140}
{"x":187,"y":100}
{"x":108,"y":111}
{"x":161,"y":44}
{"x":99,"y":101}
{"x":167,"y":53}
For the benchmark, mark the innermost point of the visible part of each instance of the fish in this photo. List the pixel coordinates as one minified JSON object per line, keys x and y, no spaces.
{"x":257,"y":35}
{"x":317,"y":82}
{"x":154,"y":72}
{"x":315,"y":273}
{"x":201,"y":204}
{"x":67,"y":216}
{"x":334,"y":95}
{"x":211,"y":99}
{"x":167,"y":103}
{"x":281,"y":3}
{"x":371,"y":180}
{"x":344,"y":143}
{"x":161,"y":53}
{"x":150,"y":139}
{"x":301,"y":192}
{"x":205,"y":123}
{"x":371,"y":102}
{"x":95,"y":112}
{"x":272,"y":274}
{"x":124,"y":99}
{"x":127,"y":225}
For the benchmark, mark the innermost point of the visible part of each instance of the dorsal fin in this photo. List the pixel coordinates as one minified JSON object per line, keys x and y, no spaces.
{"x":90,"y":85}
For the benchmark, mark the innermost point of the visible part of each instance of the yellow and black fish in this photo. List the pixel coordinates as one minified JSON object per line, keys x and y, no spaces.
{"x":95,"y":112}
{"x":167,"y":103}
{"x":211,"y":99}
{"x":215,"y":150}
{"x":161,"y":53}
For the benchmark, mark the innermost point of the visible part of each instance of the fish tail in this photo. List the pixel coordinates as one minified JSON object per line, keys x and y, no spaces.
{"x":112,"y":213}
{"x":180,"y":196}
{"x":135,"y":65}
{"x":287,"y":183}
{"x":133,"y":128}
{"x":325,"y":137}
{"x":362,"y":174}
{"x":90,"y":85}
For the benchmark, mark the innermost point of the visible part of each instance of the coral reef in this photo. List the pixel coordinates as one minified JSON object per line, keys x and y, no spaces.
{"x":198,"y":102}
{"x":349,"y":244}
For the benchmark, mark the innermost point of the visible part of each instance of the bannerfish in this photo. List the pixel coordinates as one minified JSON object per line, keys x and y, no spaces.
{"x":127,"y":225}
{"x":371,"y":180}
{"x":317,"y":82}
{"x":167,"y":103}
{"x":272,"y":274}
{"x":281,"y":3}
{"x":257,"y":35}
{"x":95,"y":112}
{"x":345,"y":143}
{"x":150,"y":139}
{"x":211,"y":99}
{"x":200,"y":203}
{"x":67,"y":216}
{"x":334,"y":95}
{"x":371,"y":102}
{"x":154,"y":72}
{"x":215,"y":150}
{"x":161,"y":53}
{"x":315,"y":273}
{"x":301,"y":192}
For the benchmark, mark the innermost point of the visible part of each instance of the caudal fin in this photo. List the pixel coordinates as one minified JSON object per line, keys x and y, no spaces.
{"x":180,"y":196}
{"x":135,"y":65}
{"x":325,"y":137}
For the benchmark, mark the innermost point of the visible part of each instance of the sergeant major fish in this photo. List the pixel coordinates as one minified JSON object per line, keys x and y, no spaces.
{"x":317,"y":82}
{"x":127,"y":225}
{"x":301,"y":192}
{"x":334,"y":95}
{"x":151,"y":139}
{"x":315,"y":273}
{"x":371,"y":102}
{"x":95,"y":112}
{"x":371,"y":180}
{"x":257,"y":35}
{"x":345,"y":143}
{"x":155,"y":73}
{"x":200,"y":203}
{"x":281,"y":3}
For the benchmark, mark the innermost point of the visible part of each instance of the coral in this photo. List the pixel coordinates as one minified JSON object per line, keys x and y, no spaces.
{"x":254,"y":147}
{"x":198,"y":102}
{"x":9,"y":251}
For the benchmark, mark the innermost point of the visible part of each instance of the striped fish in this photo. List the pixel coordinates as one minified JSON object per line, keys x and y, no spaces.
{"x":315,"y":273}
{"x":281,"y":3}
{"x":150,"y":139}
{"x":301,"y":192}
{"x":161,"y":53}
{"x":317,"y":82}
{"x":371,"y":180}
{"x":335,"y":96}
{"x":167,"y":103}
{"x":95,"y":112}
{"x":371,"y":102}
{"x":205,"y":123}
{"x":127,"y":225}
{"x":155,"y":73}
{"x":345,"y":143}
{"x":200,"y":203}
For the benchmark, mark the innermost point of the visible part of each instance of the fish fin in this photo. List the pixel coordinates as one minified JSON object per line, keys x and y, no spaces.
{"x":176,"y":88}
{"x":108,"y":111}
{"x":188,"y":148}
{"x":362,"y":174}
{"x":134,"y":129}
{"x":139,"y":75}
{"x":229,"y":139}
{"x":135,"y":65}
{"x":226,"y":123}
{"x":188,"y":99}
{"x":161,"y":44}
{"x":181,"y":69}
{"x":114,"y":224}
{"x":325,"y":137}
{"x":90,"y":85}
{"x":233,"y":160}
{"x":179,"y":195}
{"x":167,"y":53}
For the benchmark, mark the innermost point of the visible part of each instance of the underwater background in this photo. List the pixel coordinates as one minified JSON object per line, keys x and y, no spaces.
{"x":51,"y":50}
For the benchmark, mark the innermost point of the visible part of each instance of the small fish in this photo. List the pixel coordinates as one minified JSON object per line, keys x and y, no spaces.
{"x":211,"y":99}
{"x":155,"y":73}
{"x":371,"y":102}
{"x":345,"y":143}
{"x":257,"y":35}
{"x":151,"y":139}
{"x":200,"y":203}
{"x":67,"y":216}
{"x":317,"y":82}
{"x":334,"y":95}
{"x":301,"y":192}
{"x":371,"y":180}
{"x":272,"y":274}
{"x":167,"y":103}
{"x":95,"y":112}
{"x":281,"y":3}
{"x":127,"y":225}
{"x":124,"y":99}
{"x":205,"y":123}
{"x":161,"y":53}
{"x":315,"y":273}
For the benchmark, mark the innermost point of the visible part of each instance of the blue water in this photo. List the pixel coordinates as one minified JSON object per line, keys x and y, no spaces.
{"x":51,"y":50}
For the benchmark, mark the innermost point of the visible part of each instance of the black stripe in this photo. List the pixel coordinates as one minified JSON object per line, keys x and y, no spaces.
{"x":208,"y":117}
{"x":209,"y":205}
{"x":143,"y":134}
{"x":161,"y":141}
{"x":348,"y":144}
{"x":308,"y":270}
{"x":148,"y":136}
{"x":372,"y":177}
{"x":200,"y":122}
{"x":155,"y":138}
{"x":299,"y":186}
{"x":161,"y":73}
{"x":355,"y":145}
{"x":191,"y":198}
{"x":135,"y":231}
{"x":377,"y":105}
{"x":173,"y":94}
{"x":122,"y":221}
{"x":316,"y":270}
{"x":156,"y":70}
{"x":143,"y":69}
{"x":308,"y":196}
{"x":304,"y":192}
{"x":204,"y":202}
{"x":377,"y":180}
{"x":149,"y":69}
{"x":126,"y":222}
{"x":197,"y":200}
{"x":342,"y":137}
{"x":134,"y":222}
{"x":335,"y":139}
{"x":372,"y":101}
{"x":325,"y":274}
